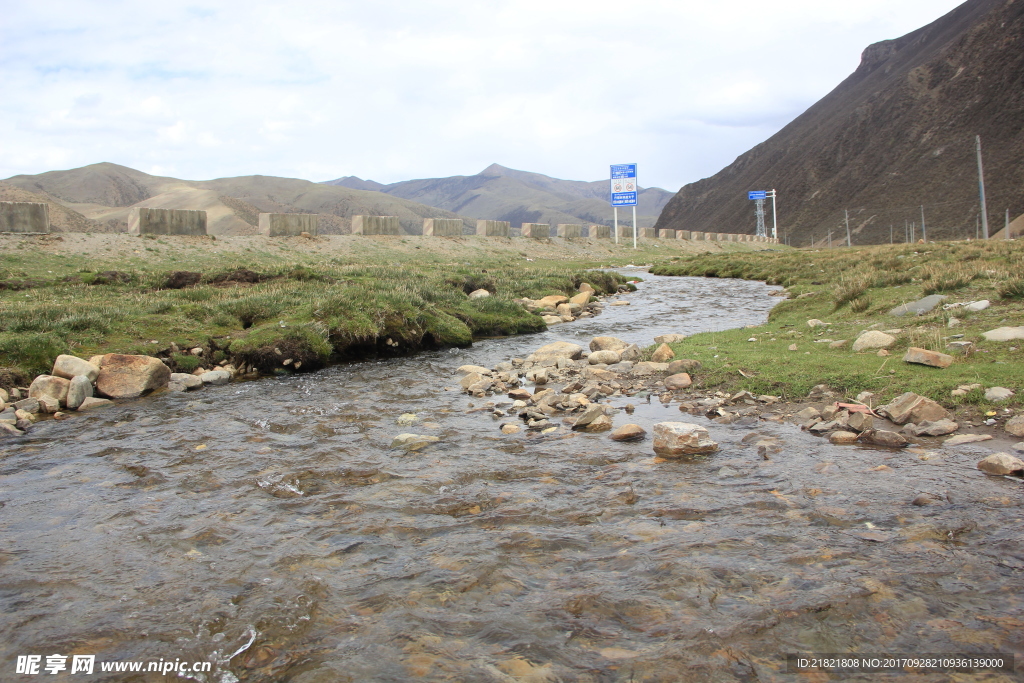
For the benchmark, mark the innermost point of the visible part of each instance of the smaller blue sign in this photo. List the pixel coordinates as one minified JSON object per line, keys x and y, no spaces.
{"x":757,"y":194}
{"x":623,"y":198}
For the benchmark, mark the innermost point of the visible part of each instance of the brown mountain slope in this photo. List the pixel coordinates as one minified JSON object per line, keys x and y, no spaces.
{"x":896,"y":134}
{"x":105,"y":193}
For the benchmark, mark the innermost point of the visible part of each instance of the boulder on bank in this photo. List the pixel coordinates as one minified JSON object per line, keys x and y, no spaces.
{"x":684,"y":365}
{"x":50,"y":386}
{"x":675,"y":439}
{"x":1015,"y":426}
{"x":919,"y":307}
{"x":677,"y":381}
{"x":1001,"y":464}
{"x":926,"y":357}
{"x":555,"y":351}
{"x":124,"y":376}
{"x":79,"y":389}
{"x":606,"y":357}
{"x":70,"y":367}
{"x":607,"y":344}
{"x":911,"y":407}
{"x":669,"y":338}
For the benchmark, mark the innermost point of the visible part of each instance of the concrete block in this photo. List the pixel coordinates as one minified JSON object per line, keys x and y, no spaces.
{"x":537,"y":231}
{"x":721,"y":237}
{"x":711,"y":237}
{"x":143,"y":221}
{"x":288,"y":224}
{"x":682,"y":234}
{"x":647,"y":234}
{"x":626,"y":232}
{"x":667,"y":234}
{"x":376,"y":225}
{"x":492,"y":228}
{"x":442,"y":227}
{"x":569,"y":230}
{"x":24,"y":217}
{"x":697,"y":236}
{"x":600,"y":232}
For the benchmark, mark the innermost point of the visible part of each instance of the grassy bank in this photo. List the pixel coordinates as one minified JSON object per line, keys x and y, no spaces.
{"x":854,"y":290}
{"x":259,"y":300}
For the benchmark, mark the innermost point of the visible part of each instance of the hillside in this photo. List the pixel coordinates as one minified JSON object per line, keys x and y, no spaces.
{"x":898,"y":133}
{"x":505,"y":194}
{"x":62,"y":219}
{"x":104,"y":194}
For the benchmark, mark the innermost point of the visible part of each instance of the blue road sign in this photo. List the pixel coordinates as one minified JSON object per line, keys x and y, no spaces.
{"x":757,"y":194}
{"x":623,"y":185}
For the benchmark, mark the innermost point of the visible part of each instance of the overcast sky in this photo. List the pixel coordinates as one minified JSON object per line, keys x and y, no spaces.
{"x":400,"y":89}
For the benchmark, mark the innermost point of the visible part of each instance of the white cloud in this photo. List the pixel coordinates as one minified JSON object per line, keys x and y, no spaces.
{"x":394,"y":89}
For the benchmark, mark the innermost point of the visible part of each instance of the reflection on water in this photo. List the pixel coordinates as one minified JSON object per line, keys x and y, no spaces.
{"x":268,"y":528}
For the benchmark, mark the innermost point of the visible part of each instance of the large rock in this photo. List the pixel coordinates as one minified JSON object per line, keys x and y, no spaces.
{"x":649,"y":368}
{"x":1004,"y":334}
{"x":48,"y":385}
{"x":93,"y":403}
{"x":607,"y":344}
{"x":936,"y":428}
{"x":606,"y":357}
{"x":873,"y":339}
{"x":1001,"y":463}
{"x":215,"y":377}
{"x":79,"y":389}
{"x":470,"y":379}
{"x":552,"y":301}
{"x":684,"y":365}
{"x":631,"y":353}
{"x":70,"y":367}
{"x":123,"y":376}
{"x":925,"y":357}
{"x":843,"y":438}
{"x":552,"y":319}
{"x":188,"y":380}
{"x":593,"y":411}
{"x":630,"y":432}
{"x":1015,"y":425}
{"x":663,"y":354}
{"x":602,"y":423}
{"x":466,"y":369}
{"x":479,"y":294}
{"x":881,"y":437}
{"x":581,"y":299}
{"x":677,"y":381}
{"x":674,"y":439}
{"x":555,"y":351}
{"x":669,"y":338}
{"x":911,"y":407}
{"x":919,"y":307}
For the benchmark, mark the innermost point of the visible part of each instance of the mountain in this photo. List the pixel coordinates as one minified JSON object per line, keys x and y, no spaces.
{"x":62,"y":219}
{"x":104,"y":194}
{"x":356,"y":183}
{"x":505,"y":194}
{"x":897,"y":134}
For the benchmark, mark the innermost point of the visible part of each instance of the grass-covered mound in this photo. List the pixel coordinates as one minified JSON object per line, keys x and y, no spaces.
{"x":854,"y":290}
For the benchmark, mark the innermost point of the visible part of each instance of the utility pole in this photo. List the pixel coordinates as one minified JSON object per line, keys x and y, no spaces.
{"x":1006,"y":234}
{"x":616,"y":210}
{"x":981,"y":189}
{"x":906,"y":232}
{"x":924,"y":235}
{"x":977,"y":230}
{"x":829,"y":239}
{"x":634,"y":226}
{"x":847,"y":227}
{"x":890,"y":233}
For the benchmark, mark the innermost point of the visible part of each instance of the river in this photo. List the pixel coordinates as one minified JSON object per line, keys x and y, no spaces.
{"x":267,"y":528}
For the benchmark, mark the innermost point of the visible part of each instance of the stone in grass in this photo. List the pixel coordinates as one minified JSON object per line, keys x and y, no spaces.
{"x":919,"y":307}
{"x":1001,"y":464}
{"x":1004,"y":334}
{"x":925,"y":357}
{"x":873,"y":339}
{"x":683,"y":365}
{"x":997,"y":394}
{"x":675,"y":439}
{"x":663,"y":354}
{"x":630,"y":432}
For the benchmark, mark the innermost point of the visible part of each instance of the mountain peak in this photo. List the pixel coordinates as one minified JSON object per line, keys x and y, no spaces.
{"x":495,"y":170}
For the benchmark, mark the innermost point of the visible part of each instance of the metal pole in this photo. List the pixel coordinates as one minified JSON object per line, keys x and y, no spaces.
{"x":634,"y":226}
{"x":829,"y":239}
{"x":1007,"y":229}
{"x":924,"y":234}
{"x":890,"y":233}
{"x":775,"y":221}
{"x":977,"y":229}
{"x":981,"y":189}
{"x":913,"y":232}
{"x":847,"y":227}
{"x":616,"y":210}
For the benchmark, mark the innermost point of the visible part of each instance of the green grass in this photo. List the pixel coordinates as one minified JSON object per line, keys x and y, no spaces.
{"x":854,"y":290}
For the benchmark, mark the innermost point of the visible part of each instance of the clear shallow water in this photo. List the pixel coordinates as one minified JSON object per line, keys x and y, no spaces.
{"x":187,"y":525}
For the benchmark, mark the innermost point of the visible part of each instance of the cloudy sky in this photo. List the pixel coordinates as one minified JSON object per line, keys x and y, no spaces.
{"x":399,"y":89}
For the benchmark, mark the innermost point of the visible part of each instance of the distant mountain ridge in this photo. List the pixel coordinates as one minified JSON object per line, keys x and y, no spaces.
{"x":100,"y":197}
{"x":505,"y":194}
{"x":897,"y":134}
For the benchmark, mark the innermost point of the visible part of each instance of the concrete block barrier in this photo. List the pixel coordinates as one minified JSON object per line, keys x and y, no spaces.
{"x":376,"y":225}
{"x":25,"y":218}
{"x":492,"y":228}
{"x":442,"y":227}
{"x":288,"y":224}
{"x":143,"y":221}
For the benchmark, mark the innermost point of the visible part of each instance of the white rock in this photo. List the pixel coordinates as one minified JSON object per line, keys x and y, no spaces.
{"x":79,"y":390}
{"x":673,"y":439}
{"x":996,"y":394}
{"x":479,"y":294}
{"x":1001,"y":464}
{"x":466,"y":369}
{"x":873,"y":339}
{"x":977,"y":305}
{"x":1004,"y":334}
{"x":71,"y":366}
{"x":215,"y":377}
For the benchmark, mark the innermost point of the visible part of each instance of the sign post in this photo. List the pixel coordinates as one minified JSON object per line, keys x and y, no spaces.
{"x":623,"y":193}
